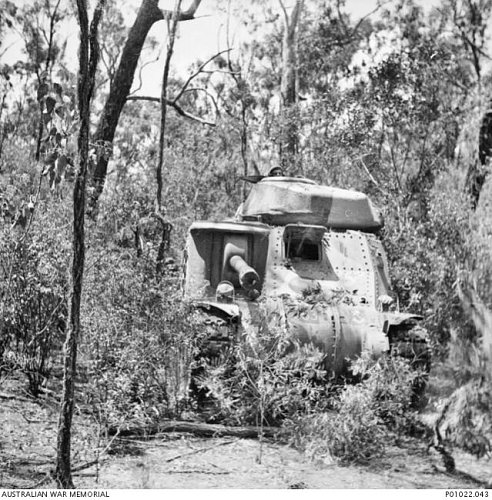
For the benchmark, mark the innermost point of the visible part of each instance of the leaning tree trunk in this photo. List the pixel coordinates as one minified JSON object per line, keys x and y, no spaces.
{"x":147,"y":15}
{"x":88,"y":58}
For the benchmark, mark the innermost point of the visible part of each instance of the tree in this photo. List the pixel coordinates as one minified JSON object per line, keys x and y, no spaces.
{"x":37,"y":25}
{"x":88,"y":59}
{"x":148,"y":14}
{"x":477,"y":172}
{"x":166,"y":227}
{"x":288,"y":87}
{"x":469,"y":22}
{"x":113,"y":34}
{"x":40,"y":23}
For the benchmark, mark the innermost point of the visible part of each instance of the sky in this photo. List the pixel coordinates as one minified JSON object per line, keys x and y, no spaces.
{"x":203,"y":36}
{"x":206,"y":35}
{"x":198,"y":39}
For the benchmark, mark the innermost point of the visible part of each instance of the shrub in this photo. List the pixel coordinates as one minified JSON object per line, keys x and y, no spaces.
{"x":33,"y":288}
{"x":267,"y":377}
{"x":466,"y":420}
{"x":362,"y":415}
{"x":435,"y":256}
{"x":139,"y":339}
{"x":352,"y":432}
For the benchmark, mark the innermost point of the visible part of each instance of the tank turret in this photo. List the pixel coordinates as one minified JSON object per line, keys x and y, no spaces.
{"x":285,"y":200}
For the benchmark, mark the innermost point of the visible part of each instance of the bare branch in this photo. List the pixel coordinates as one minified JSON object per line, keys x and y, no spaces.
{"x":457,"y":23}
{"x":209,"y":94}
{"x":284,"y":10}
{"x":341,"y":19}
{"x":174,"y":105}
{"x":144,"y":65}
{"x":184,"y":113}
{"x":5,"y":49}
{"x":185,"y":15}
{"x":52,"y":33}
{"x":197,"y":72}
{"x":105,"y":63}
{"x":473,"y":45}
{"x":211,"y":71}
{"x":371,"y":177}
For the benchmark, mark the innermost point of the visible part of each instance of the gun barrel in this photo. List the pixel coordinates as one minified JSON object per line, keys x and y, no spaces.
{"x":248,"y":277}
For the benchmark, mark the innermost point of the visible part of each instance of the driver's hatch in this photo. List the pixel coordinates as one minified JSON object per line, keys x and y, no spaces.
{"x":304,"y":254}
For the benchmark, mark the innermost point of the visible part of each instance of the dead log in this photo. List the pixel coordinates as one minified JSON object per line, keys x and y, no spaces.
{"x":196,"y":428}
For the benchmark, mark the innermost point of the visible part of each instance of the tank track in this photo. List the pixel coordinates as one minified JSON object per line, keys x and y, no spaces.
{"x":219,"y":337}
{"x":412,"y":343}
{"x":216,"y":351}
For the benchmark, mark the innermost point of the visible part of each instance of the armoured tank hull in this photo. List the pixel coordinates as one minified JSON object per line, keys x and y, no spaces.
{"x":290,"y":240}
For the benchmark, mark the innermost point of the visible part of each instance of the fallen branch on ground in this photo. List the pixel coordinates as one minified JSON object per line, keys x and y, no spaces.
{"x":192,"y":471}
{"x":200,"y":450}
{"x":198,"y":429}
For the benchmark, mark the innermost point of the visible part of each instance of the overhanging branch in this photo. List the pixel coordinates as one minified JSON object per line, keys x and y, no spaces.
{"x":199,"y":70}
{"x":173,"y":105}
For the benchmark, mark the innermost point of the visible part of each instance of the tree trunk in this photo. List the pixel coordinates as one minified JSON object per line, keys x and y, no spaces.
{"x":289,"y":137}
{"x":147,"y":15}
{"x":162,"y":146}
{"x":88,"y":57}
{"x":478,"y":170}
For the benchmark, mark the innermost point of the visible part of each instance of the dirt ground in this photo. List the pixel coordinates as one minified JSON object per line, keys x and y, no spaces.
{"x":27,"y":451}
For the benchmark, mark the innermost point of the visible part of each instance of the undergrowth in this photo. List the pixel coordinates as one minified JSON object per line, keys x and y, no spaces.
{"x":271,"y":379}
{"x":363,"y":417}
{"x":267,"y":377}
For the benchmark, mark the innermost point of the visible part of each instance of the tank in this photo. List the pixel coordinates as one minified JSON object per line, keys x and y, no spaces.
{"x":290,"y":240}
